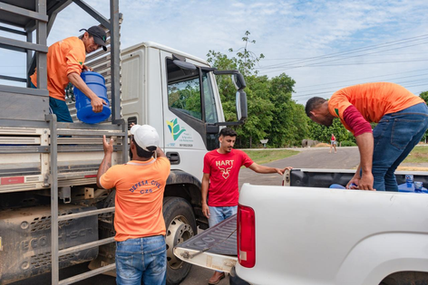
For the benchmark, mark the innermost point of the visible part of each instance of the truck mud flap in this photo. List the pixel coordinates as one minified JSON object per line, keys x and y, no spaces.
{"x":214,"y":248}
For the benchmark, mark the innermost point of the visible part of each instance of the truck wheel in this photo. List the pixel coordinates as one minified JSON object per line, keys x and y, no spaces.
{"x":180,"y":226}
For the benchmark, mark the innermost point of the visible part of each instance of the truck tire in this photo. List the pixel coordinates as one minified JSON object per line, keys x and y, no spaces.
{"x":180,"y":225}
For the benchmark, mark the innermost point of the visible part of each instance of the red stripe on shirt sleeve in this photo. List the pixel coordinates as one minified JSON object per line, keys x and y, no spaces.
{"x":356,"y":121}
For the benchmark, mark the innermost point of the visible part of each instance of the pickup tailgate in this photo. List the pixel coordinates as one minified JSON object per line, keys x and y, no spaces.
{"x":214,"y":248}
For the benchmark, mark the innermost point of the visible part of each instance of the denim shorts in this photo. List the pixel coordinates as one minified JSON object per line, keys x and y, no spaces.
{"x":219,"y":214}
{"x":141,"y":259}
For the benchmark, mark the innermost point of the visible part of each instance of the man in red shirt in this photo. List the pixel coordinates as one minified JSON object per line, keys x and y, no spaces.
{"x":220,"y":191}
{"x":139,"y":224}
{"x":402,"y":120}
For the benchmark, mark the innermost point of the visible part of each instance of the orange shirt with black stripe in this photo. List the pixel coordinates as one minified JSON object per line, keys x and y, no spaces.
{"x":64,"y":57}
{"x":372,"y":100}
{"x":140,"y":186}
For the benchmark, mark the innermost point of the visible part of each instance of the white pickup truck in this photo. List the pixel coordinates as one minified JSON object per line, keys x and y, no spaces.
{"x":311,"y":234}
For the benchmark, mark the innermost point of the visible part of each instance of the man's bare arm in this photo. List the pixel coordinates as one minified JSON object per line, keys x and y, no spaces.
{"x":106,"y":163}
{"x":365,"y":144}
{"x":266,"y":169}
{"x":204,"y":190}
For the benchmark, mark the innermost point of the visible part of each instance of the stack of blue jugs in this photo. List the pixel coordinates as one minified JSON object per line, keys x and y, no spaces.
{"x":412,"y":186}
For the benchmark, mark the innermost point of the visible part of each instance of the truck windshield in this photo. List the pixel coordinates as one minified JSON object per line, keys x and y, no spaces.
{"x":185,"y":93}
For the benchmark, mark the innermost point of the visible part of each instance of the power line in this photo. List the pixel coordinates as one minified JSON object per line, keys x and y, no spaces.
{"x":358,"y":50}
{"x":371,"y":78}
{"x":330,"y":92}
{"x":388,"y":74}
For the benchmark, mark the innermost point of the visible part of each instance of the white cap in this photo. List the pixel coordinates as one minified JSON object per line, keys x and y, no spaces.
{"x":145,"y":136}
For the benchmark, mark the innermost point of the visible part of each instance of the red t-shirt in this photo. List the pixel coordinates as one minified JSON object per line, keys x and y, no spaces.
{"x":224,"y":171}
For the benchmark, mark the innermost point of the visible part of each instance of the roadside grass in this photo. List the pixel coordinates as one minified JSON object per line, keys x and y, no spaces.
{"x":418,"y":155}
{"x":266,"y":156}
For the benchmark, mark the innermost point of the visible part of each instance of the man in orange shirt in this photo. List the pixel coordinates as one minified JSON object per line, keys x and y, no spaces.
{"x":139,"y":224}
{"x":402,"y":120}
{"x":65,"y":62}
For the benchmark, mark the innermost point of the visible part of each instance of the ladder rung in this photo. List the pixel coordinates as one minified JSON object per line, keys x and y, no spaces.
{"x":88,"y":274}
{"x":85,"y":214}
{"x":85,"y":246}
{"x":89,"y":132}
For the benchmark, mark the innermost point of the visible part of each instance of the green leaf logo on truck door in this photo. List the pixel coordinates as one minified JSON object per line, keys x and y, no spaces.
{"x":174,"y":128}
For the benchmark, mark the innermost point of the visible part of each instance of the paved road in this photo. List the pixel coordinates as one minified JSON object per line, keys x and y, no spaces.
{"x":345,"y":158}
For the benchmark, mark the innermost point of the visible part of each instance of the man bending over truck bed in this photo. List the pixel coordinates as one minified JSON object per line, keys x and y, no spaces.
{"x":220,"y":191}
{"x":402,"y":120}
{"x":65,"y":61}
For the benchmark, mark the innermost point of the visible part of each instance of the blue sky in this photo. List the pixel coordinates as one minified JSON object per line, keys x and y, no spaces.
{"x":322,"y":45}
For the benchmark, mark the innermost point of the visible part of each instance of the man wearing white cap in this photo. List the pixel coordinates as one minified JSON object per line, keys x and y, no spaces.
{"x":139,"y":224}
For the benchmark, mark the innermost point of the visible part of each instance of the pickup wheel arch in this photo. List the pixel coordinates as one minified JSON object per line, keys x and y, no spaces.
{"x":405,"y":277}
{"x":379,"y":257}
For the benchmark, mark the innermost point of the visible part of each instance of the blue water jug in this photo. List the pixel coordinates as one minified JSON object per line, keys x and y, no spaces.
{"x":96,"y":83}
{"x":337,"y":186}
{"x":410,"y":187}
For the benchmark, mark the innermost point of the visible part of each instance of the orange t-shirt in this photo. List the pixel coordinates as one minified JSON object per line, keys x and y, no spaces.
{"x":140,"y":186}
{"x":64,"y":57}
{"x":372,"y":100}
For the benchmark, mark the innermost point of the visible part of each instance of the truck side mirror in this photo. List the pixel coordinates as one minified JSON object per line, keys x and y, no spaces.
{"x":239,"y":81}
{"x":241,"y":97}
{"x":241,"y":105}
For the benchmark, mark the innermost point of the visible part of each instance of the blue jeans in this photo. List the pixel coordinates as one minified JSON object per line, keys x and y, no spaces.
{"x":141,"y":258}
{"x":394,"y":138}
{"x":218,"y":214}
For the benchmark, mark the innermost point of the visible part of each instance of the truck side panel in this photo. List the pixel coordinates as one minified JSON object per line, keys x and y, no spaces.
{"x":309,"y":235}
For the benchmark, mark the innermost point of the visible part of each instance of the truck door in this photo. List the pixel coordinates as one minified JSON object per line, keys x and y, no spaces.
{"x":190,"y":104}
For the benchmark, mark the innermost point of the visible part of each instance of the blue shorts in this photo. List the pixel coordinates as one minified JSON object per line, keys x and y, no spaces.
{"x":59,"y":108}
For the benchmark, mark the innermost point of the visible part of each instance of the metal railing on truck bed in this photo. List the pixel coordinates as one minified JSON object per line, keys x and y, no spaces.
{"x":25,"y":154}
{"x":41,"y":156}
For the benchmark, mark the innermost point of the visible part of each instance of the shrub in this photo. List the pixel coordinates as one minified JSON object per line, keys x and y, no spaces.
{"x":348,"y":143}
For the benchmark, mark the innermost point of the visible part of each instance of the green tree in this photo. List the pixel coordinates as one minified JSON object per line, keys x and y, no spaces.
{"x":272,"y":113}
{"x":246,"y":59}
{"x":290,"y":124}
{"x":323,"y":134}
{"x":259,"y":112}
{"x":424,"y":96}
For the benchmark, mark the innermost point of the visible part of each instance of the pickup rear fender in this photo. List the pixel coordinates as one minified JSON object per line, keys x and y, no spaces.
{"x":383,"y":254}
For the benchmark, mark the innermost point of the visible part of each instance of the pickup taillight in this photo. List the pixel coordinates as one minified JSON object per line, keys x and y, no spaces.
{"x":246,"y":236}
